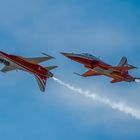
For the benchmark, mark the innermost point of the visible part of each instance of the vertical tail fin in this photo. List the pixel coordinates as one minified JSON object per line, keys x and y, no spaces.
{"x":41,"y":80}
{"x":123,"y":61}
{"x":124,"y":64}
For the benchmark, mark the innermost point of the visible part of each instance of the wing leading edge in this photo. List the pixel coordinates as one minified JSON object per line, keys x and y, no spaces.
{"x":91,"y":73}
{"x":37,"y":60}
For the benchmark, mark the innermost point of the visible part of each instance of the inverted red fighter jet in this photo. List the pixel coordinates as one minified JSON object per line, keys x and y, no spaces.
{"x":98,"y":67}
{"x":13,"y":62}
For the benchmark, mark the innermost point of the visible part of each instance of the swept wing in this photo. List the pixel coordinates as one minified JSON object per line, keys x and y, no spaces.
{"x":37,"y":60}
{"x":91,"y":73}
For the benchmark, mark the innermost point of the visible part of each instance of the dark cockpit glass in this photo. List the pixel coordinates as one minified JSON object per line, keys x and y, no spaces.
{"x":90,"y":56}
{"x":2,"y":52}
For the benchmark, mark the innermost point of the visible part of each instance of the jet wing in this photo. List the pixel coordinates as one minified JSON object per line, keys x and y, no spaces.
{"x":91,"y":73}
{"x":41,"y":82}
{"x":8,"y":68}
{"x":37,"y":60}
{"x":117,"y":80}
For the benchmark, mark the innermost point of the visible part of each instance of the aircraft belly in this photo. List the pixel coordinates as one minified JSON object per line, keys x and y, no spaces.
{"x":18,"y":67}
{"x":117,"y":76}
{"x":108,"y":73}
{"x":102,"y":71}
{"x":29,"y":70}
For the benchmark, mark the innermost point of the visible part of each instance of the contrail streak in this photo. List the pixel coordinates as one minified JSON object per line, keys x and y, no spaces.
{"x":95,"y":97}
{"x":137,"y":80}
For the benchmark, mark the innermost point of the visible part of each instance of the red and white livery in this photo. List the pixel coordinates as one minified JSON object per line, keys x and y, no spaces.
{"x":31,"y":65}
{"x":97,"y":67}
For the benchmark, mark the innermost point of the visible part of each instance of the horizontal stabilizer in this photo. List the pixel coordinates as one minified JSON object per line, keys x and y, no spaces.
{"x":51,"y":67}
{"x":131,"y":66}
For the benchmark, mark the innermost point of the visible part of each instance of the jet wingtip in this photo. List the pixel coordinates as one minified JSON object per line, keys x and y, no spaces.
{"x":51,"y":67}
{"x":78,"y":74}
{"x":51,"y":57}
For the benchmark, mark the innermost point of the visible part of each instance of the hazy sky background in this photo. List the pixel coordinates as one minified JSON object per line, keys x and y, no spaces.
{"x":106,"y":28}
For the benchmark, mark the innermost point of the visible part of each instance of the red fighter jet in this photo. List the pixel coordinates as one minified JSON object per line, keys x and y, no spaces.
{"x":98,"y":67}
{"x":13,"y":62}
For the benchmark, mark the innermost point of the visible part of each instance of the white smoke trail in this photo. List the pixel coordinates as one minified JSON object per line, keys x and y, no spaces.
{"x":137,"y":80}
{"x":114,"y":105}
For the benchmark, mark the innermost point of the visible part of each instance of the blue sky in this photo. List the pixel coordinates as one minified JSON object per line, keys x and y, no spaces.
{"x":106,"y":28}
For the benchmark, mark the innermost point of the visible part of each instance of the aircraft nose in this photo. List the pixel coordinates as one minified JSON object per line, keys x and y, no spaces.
{"x":50,"y":74}
{"x":65,"y":54}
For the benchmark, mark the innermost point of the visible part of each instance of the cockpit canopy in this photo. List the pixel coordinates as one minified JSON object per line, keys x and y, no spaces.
{"x":90,"y":56}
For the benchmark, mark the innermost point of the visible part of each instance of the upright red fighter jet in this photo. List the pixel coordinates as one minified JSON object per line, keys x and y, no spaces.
{"x":98,"y":67}
{"x":13,"y":62}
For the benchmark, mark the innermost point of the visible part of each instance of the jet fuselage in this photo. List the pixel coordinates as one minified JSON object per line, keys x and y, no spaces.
{"x":93,"y":63}
{"x":22,"y":64}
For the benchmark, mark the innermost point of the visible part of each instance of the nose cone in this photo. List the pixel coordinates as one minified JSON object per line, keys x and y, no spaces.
{"x":65,"y":54}
{"x":49,"y":74}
